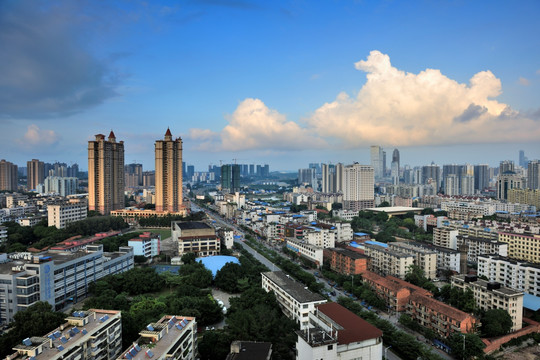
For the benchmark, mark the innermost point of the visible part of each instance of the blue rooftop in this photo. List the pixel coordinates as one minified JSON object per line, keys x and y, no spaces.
{"x":360,"y":234}
{"x":371,"y":242}
{"x":531,"y":302}
{"x":215,"y":263}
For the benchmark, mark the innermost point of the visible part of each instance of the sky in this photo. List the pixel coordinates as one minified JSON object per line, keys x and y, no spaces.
{"x":286,"y":83}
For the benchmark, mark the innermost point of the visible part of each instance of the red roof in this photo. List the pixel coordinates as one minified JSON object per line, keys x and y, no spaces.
{"x":355,"y":329}
{"x":168,"y":133}
{"x":111,"y":135}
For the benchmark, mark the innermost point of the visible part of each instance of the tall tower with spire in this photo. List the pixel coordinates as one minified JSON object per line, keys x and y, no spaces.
{"x":169,"y":174}
{"x":105,"y":174}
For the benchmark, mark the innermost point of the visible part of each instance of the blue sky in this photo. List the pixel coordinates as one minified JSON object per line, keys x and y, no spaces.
{"x":279,"y":82}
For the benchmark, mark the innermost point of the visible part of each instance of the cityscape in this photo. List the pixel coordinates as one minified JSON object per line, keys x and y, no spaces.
{"x":230,"y":180}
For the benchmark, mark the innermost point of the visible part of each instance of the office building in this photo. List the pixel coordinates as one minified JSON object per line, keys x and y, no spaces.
{"x":533,"y":175}
{"x":507,"y":181}
{"x":134,"y":175}
{"x":105,"y":174}
{"x":230,"y":178}
{"x":86,"y":335}
{"x":337,"y":333}
{"x":195,"y":237}
{"x":358,"y":187}
{"x":171,"y":337}
{"x":491,"y":295}
{"x":523,"y":159}
{"x":394,"y":171}
{"x":147,"y":244}
{"x":35,"y":173}
{"x":295,"y":300}
{"x":65,"y":212}
{"x":8,"y":176}
{"x":377,"y":161}
{"x":168,"y":153}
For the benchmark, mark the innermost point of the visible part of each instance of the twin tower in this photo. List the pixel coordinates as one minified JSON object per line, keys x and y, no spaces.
{"x":106,"y":174}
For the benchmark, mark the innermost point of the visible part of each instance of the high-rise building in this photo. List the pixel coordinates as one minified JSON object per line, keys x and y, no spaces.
{"x":168,"y":174}
{"x":332,"y":178}
{"x":467,"y":185}
{"x":230,"y":178}
{"x":451,"y":185}
{"x":8,"y":176}
{"x":431,"y":172}
{"x":134,"y":175}
{"x":395,"y":167}
{"x":149,"y":179}
{"x":190,"y":172}
{"x":481,"y":177}
{"x":105,"y":174}
{"x":377,"y":161}
{"x":533,"y":174}
{"x":35,"y":173}
{"x":358,"y":187}
{"x":307,"y":176}
{"x":523,"y":159}
{"x":73,"y":170}
{"x":505,"y":166}
{"x":251,"y":169}
{"x":507,"y":181}
{"x":384,"y":163}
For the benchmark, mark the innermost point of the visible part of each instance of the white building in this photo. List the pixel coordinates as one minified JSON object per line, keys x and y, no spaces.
{"x":60,"y":215}
{"x":147,"y":244}
{"x":477,"y":246}
{"x":516,"y":274}
{"x":346,"y":214}
{"x":309,"y":251}
{"x":295,"y":300}
{"x":62,"y":186}
{"x":3,"y":234}
{"x":358,"y":187}
{"x":388,"y":262}
{"x":227,"y":237}
{"x":336,"y":333}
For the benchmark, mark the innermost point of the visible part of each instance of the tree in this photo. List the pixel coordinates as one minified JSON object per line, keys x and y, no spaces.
{"x":466,"y":346}
{"x":215,"y":345}
{"x":415,"y":275}
{"x":496,"y":322}
{"x":384,"y":204}
{"x":228,"y":276}
{"x":188,"y":258}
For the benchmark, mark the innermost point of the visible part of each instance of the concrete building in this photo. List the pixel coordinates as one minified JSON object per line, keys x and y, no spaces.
{"x":62,"y":186}
{"x":61,"y":214}
{"x":171,"y":337}
{"x":506,"y":181}
{"x":307,"y":176}
{"x":59,"y":278}
{"x":195,"y":237}
{"x":35,"y":173}
{"x":9,"y":176}
{"x":377,"y":160}
{"x":250,"y":350}
{"x":477,"y":246}
{"x":134,"y":175}
{"x":105,"y":174}
{"x":336,"y":333}
{"x":445,"y":237}
{"x":3,"y":234}
{"x":491,"y":295}
{"x":295,"y":301}
{"x":147,"y":244}
{"x":481,"y":177}
{"x":522,"y":246}
{"x":516,"y":274}
{"x":168,"y":176}
{"x":303,"y":248}
{"x":86,"y":335}
{"x":525,"y":196}
{"x":358,"y":187}
{"x":346,"y":262}
{"x":227,"y":237}
{"x":425,"y":259}
{"x":533,"y":175}
{"x":388,"y":262}
{"x":394,"y":170}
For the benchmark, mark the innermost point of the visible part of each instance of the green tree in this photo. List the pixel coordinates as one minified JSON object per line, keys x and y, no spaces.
{"x":228,"y":276}
{"x":496,"y":322}
{"x":215,"y":345}
{"x":415,"y":275}
{"x":466,"y":346}
{"x":384,"y":204}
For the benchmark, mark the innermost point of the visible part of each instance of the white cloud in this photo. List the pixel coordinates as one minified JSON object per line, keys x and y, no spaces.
{"x":523,"y":81}
{"x":35,"y":136}
{"x":401,"y":109}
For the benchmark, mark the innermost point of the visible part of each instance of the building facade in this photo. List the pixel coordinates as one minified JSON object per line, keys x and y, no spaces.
{"x":516,"y":274}
{"x":9,"y":176}
{"x":35,"y":173}
{"x":147,"y":244}
{"x":195,"y":237}
{"x":60,"y":215}
{"x":168,"y":176}
{"x":388,"y":262}
{"x":358,"y":187}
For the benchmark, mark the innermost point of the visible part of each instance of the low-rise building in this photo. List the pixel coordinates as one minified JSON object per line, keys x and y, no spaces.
{"x":295,"y":300}
{"x":491,"y":295}
{"x":424,"y":258}
{"x":60,"y":215}
{"x":227,"y":237}
{"x":445,"y":237}
{"x":516,"y":274}
{"x":477,"y":246}
{"x":388,"y":262}
{"x":339,"y":334}
{"x":171,"y":337}
{"x":86,"y":335}
{"x":195,"y":237}
{"x":346,"y":262}
{"x":302,"y":248}
{"x":147,"y":244}
{"x":522,"y":246}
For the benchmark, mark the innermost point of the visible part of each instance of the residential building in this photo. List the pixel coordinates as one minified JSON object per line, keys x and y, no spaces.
{"x":388,"y":262}
{"x":230,"y":178}
{"x":491,"y":295}
{"x":309,"y":251}
{"x":377,"y":161}
{"x":346,"y":214}
{"x":3,"y":234}
{"x":533,"y":175}
{"x":525,"y":196}
{"x":481,"y":177}
{"x":250,"y":350}
{"x":447,"y":259}
{"x":516,"y":274}
{"x":227,"y":237}
{"x":307,"y":176}
{"x":35,"y":173}
{"x":147,"y":244}
{"x":59,"y":278}
{"x":9,"y":176}
{"x":105,"y":174}
{"x":295,"y":300}
{"x":358,"y":187}
{"x":332,"y":178}
{"x":195,"y":237}
{"x":134,"y":175}
{"x":346,"y":262}
{"x":477,"y":246}
{"x":62,"y":186}
{"x":506,"y":181}
{"x":65,"y":212}
{"x":168,"y":176}
{"x":171,"y":337}
{"x":522,"y":246}
{"x":337,"y":333}
{"x":431,"y":174}
{"x":86,"y":335}
{"x":445,"y":237}
{"x":424,"y":258}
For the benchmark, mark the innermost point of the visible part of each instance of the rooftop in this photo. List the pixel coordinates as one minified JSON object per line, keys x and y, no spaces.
{"x":395,"y":209}
{"x":250,"y":350}
{"x":349,"y":253}
{"x":439,"y":307}
{"x":192,"y":225}
{"x":294,"y":288}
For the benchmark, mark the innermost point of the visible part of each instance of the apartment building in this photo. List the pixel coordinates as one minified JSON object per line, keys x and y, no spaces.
{"x":227,"y":237}
{"x":309,"y":251}
{"x":445,"y":237}
{"x":346,"y":214}
{"x":477,"y":246}
{"x":516,"y":274}
{"x":346,"y":262}
{"x":3,"y":234}
{"x":424,"y":258}
{"x":295,"y":300}
{"x":388,"y":262}
{"x":168,"y":176}
{"x":320,"y":236}
{"x":86,"y":335}
{"x":59,"y":278}
{"x":344,"y":231}
{"x":171,"y":337}
{"x":61,"y":214}
{"x":147,"y":244}
{"x":447,"y":259}
{"x":491,"y":295}
{"x":337,"y":333}
{"x":522,"y":246}
{"x":197,"y":237}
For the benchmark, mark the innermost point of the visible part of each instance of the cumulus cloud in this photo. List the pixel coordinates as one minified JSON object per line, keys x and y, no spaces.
{"x":35,"y":136}
{"x":523,"y":81}
{"x":45,"y":69}
{"x":401,"y":109}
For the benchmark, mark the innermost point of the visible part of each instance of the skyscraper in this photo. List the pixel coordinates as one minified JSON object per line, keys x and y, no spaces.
{"x":105,"y":174}
{"x":523,"y":159}
{"x":8,"y":176}
{"x":431,"y":172}
{"x":481,"y":177}
{"x":533,"y":174}
{"x":168,"y":174}
{"x":506,"y":166}
{"x":377,"y":161}
{"x":35,"y":173}
{"x":395,"y":167}
{"x":134,"y":175}
{"x":230,"y":178}
{"x":358,"y":187}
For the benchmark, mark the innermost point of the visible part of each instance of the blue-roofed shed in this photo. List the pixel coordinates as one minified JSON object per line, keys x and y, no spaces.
{"x":215,"y":263}
{"x":531,"y":302}
{"x":360,"y":234}
{"x":371,"y":242}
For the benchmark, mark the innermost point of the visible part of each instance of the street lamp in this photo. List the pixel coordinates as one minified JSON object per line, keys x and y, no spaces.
{"x":386,"y":351}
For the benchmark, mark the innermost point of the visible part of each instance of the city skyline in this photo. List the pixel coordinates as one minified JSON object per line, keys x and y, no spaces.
{"x":261,"y":82}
